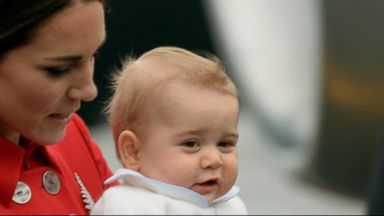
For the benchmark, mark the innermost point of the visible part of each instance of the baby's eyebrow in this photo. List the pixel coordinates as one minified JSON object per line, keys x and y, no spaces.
{"x":191,"y":132}
{"x":235,"y":135}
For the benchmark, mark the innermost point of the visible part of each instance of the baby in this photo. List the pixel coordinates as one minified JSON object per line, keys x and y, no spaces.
{"x":174,"y":116}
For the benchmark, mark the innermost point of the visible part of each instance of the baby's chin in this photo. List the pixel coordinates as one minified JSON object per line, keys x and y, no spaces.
{"x":210,"y":196}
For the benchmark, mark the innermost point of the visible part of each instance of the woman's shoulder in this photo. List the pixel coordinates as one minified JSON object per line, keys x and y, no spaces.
{"x":77,"y":131}
{"x":78,"y":153}
{"x":78,"y":123}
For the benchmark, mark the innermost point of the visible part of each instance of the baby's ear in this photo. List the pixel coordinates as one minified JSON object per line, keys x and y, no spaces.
{"x":128,"y":150}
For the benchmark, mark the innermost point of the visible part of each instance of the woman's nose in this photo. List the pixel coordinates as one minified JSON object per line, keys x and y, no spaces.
{"x":83,"y":87}
{"x":86,"y":92}
{"x":211,"y":160}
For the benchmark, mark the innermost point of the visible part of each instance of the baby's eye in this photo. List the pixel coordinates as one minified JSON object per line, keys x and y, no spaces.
{"x":226,"y":145}
{"x":191,"y":144}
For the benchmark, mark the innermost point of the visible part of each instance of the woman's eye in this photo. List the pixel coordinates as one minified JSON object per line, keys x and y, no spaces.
{"x":57,"y":71}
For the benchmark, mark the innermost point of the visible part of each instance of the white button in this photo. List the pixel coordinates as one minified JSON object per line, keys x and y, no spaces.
{"x":51,"y":182}
{"x":22,"y":193}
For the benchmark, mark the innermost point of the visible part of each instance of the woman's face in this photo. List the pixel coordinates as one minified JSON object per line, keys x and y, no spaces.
{"x":44,"y":82}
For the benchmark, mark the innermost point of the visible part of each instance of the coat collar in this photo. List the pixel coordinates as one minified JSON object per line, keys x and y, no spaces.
{"x":11,"y":164}
{"x":14,"y":160}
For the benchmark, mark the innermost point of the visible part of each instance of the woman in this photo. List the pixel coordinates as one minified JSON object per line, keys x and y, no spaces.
{"x":48,"y":162}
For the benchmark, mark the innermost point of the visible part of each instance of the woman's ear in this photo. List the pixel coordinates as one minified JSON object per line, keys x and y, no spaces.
{"x":128,"y":150}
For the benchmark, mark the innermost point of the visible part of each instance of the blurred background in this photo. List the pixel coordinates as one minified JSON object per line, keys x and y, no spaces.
{"x":310,"y":75}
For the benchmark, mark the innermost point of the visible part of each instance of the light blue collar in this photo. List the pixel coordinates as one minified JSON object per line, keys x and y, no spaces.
{"x":137,"y":179}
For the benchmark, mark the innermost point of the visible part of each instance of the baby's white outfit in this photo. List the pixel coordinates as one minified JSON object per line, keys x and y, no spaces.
{"x":143,"y":195}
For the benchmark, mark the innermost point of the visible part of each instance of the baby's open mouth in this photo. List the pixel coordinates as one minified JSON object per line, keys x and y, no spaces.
{"x":209,"y":182}
{"x":206,"y":186}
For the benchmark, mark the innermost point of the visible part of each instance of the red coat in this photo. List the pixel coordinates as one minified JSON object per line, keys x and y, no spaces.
{"x":77,"y":153}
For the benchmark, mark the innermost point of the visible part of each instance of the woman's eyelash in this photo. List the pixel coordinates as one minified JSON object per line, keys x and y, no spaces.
{"x":57,"y":71}
{"x":96,"y":55}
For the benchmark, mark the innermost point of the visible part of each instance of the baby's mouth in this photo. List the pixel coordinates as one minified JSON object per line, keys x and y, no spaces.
{"x":206,"y":186}
{"x":209,"y":182}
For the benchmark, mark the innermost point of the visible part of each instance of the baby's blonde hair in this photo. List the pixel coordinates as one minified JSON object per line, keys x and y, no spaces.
{"x":142,"y":78}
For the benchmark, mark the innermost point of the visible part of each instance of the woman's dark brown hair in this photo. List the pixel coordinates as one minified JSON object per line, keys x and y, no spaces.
{"x":19,"y":20}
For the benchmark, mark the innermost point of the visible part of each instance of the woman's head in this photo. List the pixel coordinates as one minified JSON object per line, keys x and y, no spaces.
{"x":47,"y":70}
{"x":20,"y":19}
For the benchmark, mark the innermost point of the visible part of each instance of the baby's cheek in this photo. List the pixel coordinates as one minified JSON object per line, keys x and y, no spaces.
{"x":183,"y":173}
{"x":231,"y":170}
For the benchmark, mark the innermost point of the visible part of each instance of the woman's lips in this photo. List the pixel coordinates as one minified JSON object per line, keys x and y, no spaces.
{"x":61,"y":118}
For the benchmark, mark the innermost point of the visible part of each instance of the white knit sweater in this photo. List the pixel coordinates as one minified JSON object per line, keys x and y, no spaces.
{"x":145,"y":196}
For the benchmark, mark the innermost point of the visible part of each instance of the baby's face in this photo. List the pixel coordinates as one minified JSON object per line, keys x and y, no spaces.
{"x":191,"y":140}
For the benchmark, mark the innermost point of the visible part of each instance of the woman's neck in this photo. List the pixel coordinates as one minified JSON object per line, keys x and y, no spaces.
{"x":10,"y":134}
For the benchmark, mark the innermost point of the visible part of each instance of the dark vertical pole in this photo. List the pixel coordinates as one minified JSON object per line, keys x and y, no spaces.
{"x":376,"y":198}
{"x":353,"y":95}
